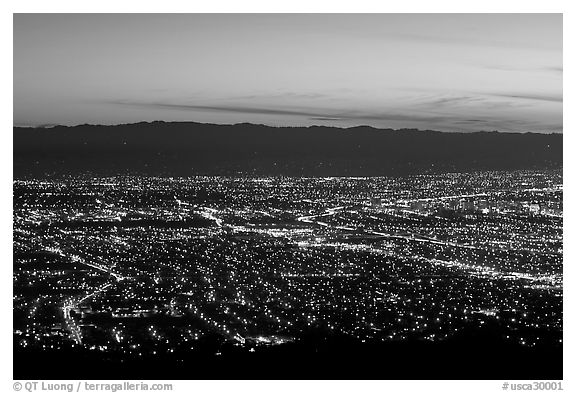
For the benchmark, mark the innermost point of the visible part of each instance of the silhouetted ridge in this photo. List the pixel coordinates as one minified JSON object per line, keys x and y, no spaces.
{"x":184,"y":149}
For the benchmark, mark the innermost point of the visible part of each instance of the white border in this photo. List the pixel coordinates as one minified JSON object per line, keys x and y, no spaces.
{"x":247,"y":6}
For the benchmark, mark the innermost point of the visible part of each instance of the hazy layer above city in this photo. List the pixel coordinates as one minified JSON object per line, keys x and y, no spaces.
{"x":451,"y":72}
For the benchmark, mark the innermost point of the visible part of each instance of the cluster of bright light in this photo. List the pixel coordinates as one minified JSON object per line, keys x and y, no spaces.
{"x":259,"y":261}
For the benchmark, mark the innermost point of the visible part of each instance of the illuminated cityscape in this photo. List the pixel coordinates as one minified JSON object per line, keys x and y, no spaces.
{"x":155,"y":267}
{"x":287,"y":196}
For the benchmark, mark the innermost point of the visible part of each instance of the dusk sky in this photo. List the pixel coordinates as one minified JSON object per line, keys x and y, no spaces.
{"x":449,"y":72}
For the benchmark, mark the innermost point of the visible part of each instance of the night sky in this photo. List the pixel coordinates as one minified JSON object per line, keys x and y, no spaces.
{"x":450,"y":72}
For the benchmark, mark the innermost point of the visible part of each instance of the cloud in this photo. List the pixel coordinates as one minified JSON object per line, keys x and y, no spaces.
{"x":534,"y":97}
{"x":554,"y":69}
{"x":481,"y":100}
{"x":551,"y":69}
{"x":327,"y":118}
{"x":466,"y":121}
{"x":317,"y":115}
{"x":282,"y":95}
{"x":478,"y":41}
{"x":409,"y":117}
{"x":232,"y":109}
{"x":453,"y":100}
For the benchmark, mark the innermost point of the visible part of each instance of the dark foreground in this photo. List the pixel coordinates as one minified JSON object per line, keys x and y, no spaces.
{"x":472,"y":355}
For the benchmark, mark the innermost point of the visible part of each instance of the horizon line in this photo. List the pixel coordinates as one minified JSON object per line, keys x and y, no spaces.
{"x":50,"y":126}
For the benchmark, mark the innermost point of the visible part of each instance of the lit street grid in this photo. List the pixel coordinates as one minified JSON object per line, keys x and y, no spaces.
{"x":140,"y":266}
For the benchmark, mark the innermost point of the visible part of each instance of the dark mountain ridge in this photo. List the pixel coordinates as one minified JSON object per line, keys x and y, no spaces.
{"x":187,"y":148}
